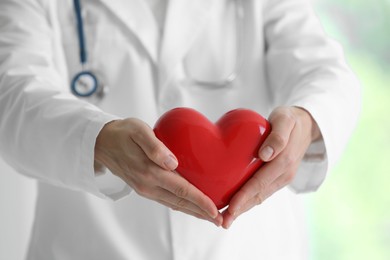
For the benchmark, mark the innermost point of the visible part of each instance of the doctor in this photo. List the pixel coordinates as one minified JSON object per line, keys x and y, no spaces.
{"x":82,"y":82}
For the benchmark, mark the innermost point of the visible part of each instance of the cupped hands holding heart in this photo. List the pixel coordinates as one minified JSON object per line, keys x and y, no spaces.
{"x":221,"y":163}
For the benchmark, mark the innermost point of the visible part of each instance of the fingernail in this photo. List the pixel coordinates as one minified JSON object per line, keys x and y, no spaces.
{"x":171,"y":162}
{"x":235,"y":213}
{"x":229,"y":224}
{"x":266,"y":153}
{"x":218,"y":224}
{"x":213,"y":215}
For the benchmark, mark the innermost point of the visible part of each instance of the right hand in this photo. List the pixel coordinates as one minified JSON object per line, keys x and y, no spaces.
{"x":130,"y":149}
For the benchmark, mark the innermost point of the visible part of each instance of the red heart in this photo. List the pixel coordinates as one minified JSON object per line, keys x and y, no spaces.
{"x":216,"y":158}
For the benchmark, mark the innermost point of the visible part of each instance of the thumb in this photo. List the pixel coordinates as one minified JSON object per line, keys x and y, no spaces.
{"x":282,"y":122}
{"x":154,"y":149}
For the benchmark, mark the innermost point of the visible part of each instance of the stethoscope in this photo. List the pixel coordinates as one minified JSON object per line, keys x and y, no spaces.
{"x":87,"y":84}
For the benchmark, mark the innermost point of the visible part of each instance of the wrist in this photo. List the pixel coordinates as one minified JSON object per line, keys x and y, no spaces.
{"x":103,"y":141}
{"x":308,"y":120}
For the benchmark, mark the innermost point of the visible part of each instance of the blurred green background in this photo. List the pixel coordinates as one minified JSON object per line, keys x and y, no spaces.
{"x":350,"y":214}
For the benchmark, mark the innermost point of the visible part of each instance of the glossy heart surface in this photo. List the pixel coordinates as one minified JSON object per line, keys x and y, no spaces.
{"x":216,"y":158}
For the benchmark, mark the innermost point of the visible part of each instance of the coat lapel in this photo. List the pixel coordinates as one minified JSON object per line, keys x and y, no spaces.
{"x":184,"y":21}
{"x":137,"y":17}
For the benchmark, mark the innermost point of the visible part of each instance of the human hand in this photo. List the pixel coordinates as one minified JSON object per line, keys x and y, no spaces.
{"x":293,"y":129}
{"x":130,"y":149}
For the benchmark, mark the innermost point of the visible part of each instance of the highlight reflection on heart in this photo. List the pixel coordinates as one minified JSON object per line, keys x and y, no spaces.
{"x":216,"y":158}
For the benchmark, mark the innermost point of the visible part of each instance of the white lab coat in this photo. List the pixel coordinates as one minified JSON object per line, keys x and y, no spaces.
{"x":48,"y":134}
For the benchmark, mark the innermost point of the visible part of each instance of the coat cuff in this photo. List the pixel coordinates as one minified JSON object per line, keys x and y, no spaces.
{"x":312,"y":171}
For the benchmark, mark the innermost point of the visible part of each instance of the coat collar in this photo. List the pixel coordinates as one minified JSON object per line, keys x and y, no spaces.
{"x":138,"y":18}
{"x":184,"y":21}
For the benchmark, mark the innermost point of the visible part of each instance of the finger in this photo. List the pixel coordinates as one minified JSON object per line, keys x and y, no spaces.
{"x":162,"y":185}
{"x":217,"y":222}
{"x":183,"y":189}
{"x":259,"y":198}
{"x":259,"y":182}
{"x":271,"y":176}
{"x":228,"y":219}
{"x":280,"y":182}
{"x":282,"y":122}
{"x":154,"y":148}
{"x":180,"y":204}
{"x":287,"y":162}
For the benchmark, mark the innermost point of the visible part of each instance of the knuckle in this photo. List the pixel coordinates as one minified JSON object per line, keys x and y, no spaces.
{"x":259,"y":198}
{"x":138,"y":134}
{"x":261,"y":184}
{"x":181,"y":203}
{"x":289,"y":177}
{"x":175,"y":207}
{"x":144,"y":170}
{"x":138,"y":124}
{"x":156,"y":150}
{"x":287,"y":116}
{"x":143,"y":184}
{"x":282,"y":113}
{"x":148,"y":176}
{"x":141,"y":190}
{"x":277,"y":111}
{"x":278,"y":140}
{"x":288,"y":161}
{"x":181,"y":192}
{"x":243,"y":194}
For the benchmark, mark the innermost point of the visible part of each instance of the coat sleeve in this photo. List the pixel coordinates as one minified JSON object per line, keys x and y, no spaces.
{"x":45,"y":132}
{"x":307,"y":69}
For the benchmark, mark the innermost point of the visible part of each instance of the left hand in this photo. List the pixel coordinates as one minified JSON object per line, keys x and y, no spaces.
{"x":293,"y":129}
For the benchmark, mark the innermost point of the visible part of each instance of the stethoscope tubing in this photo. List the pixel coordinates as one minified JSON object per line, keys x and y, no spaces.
{"x":80,"y":31}
{"x":84,"y":77}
